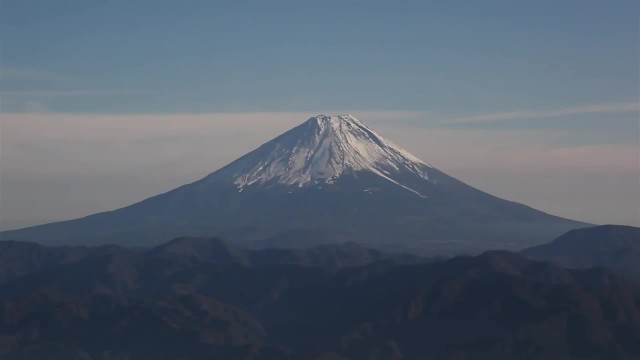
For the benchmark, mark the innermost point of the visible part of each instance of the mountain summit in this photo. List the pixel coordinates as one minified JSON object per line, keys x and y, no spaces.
{"x":330,"y":179}
{"x":320,"y":151}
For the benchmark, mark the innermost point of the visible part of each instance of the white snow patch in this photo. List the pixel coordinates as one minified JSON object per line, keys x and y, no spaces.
{"x":322,"y":150}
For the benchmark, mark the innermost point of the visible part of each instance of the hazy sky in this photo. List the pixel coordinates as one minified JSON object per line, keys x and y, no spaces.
{"x":106,"y":102}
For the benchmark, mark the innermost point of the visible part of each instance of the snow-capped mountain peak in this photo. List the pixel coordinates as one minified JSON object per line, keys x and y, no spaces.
{"x":327,"y":180}
{"x":320,"y":151}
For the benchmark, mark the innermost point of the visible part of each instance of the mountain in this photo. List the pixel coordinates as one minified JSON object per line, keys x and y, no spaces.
{"x":155,"y":305}
{"x":330,"y":179}
{"x":19,"y":259}
{"x":103,"y":327}
{"x":612,"y":246}
{"x":328,"y":256}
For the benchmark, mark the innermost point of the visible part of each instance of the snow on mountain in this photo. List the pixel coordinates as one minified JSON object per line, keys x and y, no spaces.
{"x":320,"y":151}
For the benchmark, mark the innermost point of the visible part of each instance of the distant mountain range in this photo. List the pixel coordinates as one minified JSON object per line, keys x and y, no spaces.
{"x":330,"y":179}
{"x":613,"y":246}
{"x":197,"y":298}
{"x":19,"y":258}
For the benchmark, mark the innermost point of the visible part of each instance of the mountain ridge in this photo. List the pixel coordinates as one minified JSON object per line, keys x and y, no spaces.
{"x":18,"y":259}
{"x":613,"y":246}
{"x":495,"y":305}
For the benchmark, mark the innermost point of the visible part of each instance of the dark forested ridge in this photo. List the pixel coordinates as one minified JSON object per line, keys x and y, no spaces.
{"x":612,"y":246}
{"x":197,"y":298}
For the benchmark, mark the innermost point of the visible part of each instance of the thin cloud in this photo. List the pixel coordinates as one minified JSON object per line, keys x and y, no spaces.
{"x":525,"y":114}
{"x":32,"y":74}
{"x":64,"y":93}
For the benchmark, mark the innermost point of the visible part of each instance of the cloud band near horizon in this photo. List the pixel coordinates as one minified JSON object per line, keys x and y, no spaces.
{"x":629,"y":107}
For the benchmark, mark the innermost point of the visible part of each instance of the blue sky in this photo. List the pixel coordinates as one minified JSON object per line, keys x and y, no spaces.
{"x":556,"y":82}
{"x":450,"y":58}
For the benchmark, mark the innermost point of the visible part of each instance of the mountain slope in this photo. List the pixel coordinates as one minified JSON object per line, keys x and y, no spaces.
{"x":330,"y":179}
{"x":18,"y":259}
{"x":321,"y":151}
{"x":328,"y":256}
{"x":612,"y":246}
{"x":498,"y":305}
